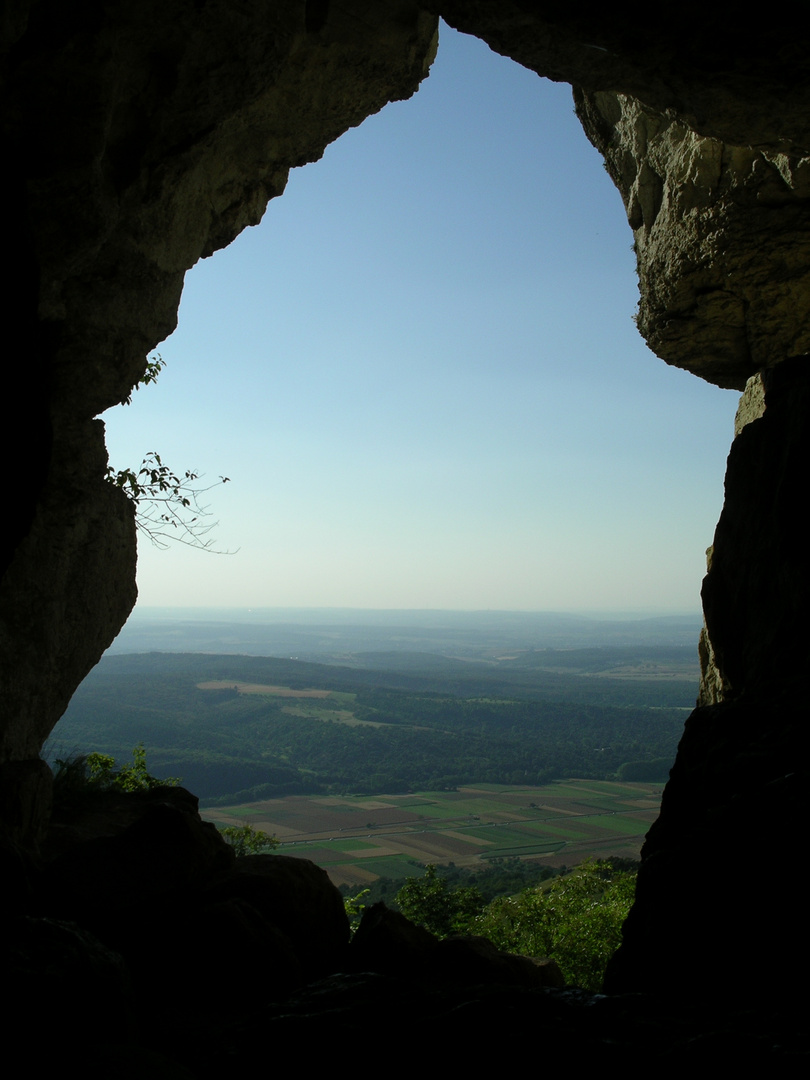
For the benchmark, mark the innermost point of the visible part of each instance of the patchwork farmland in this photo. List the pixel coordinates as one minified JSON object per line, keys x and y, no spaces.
{"x":359,"y":838}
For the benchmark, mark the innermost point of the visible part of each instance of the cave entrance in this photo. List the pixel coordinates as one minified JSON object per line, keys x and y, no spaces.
{"x":421,"y":373}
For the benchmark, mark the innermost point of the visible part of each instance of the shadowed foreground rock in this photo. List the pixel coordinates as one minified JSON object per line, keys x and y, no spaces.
{"x":387,"y":943}
{"x":195,"y":966}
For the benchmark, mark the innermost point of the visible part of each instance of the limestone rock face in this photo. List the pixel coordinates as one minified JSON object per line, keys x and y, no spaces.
{"x":722,"y":239}
{"x":739,"y":782}
{"x":704,"y":127}
{"x":746,"y":82}
{"x":138,"y":139}
{"x":756,"y":590}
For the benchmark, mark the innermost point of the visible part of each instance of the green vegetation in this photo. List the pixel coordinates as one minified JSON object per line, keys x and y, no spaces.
{"x":81,"y":778}
{"x":431,"y":758}
{"x":245,"y":840}
{"x":360,"y":735}
{"x":154,"y":366}
{"x":656,"y":769}
{"x":576,"y":920}
{"x":354,"y":907}
{"x":165,"y":501}
{"x":431,"y":902}
{"x":495,"y":878}
{"x":100,"y":772}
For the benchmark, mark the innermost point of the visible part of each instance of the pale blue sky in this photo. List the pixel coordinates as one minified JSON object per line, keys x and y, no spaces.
{"x":422,"y":375}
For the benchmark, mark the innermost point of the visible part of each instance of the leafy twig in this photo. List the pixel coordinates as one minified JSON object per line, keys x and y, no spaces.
{"x":166,"y":501}
{"x":167,"y":505}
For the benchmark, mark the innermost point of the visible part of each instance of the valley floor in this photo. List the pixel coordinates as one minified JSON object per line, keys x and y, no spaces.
{"x":357,"y":839}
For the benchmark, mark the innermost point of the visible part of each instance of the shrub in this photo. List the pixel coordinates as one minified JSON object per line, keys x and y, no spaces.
{"x":430,"y":902}
{"x":245,"y":840}
{"x":577,"y":920}
{"x":86,"y":774}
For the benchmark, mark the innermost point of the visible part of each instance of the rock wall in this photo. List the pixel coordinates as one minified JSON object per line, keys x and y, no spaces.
{"x":712,"y":223}
{"x":721,"y":237}
{"x":139,"y":138}
{"x":142,"y":137}
{"x":718,"y":886}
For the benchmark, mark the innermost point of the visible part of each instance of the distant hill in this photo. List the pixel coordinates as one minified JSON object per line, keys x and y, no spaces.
{"x":241,"y":727}
{"x":328,"y":634}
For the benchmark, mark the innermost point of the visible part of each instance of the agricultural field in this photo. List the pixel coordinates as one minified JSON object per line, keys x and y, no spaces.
{"x":360,"y":838}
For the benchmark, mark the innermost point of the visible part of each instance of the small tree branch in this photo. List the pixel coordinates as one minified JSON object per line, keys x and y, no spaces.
{"x":167,"y":505}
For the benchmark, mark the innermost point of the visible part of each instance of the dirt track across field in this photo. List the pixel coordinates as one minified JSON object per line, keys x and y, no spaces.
{"x":257,"y":688}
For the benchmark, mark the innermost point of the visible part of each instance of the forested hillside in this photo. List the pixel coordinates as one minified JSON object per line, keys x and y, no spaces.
{"x":238,"y":728}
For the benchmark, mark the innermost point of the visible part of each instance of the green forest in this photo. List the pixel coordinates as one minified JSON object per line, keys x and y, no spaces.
{"x":269,"y":727}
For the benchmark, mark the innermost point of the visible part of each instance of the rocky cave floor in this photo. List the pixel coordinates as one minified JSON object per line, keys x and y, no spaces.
{"x":136,"y":942}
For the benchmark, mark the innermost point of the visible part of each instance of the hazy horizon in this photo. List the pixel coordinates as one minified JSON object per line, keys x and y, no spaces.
{"x":333,"y":634}
{"x":150,"y":611}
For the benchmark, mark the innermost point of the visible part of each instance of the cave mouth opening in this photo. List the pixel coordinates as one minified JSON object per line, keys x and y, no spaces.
{"x":447,"y":403}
